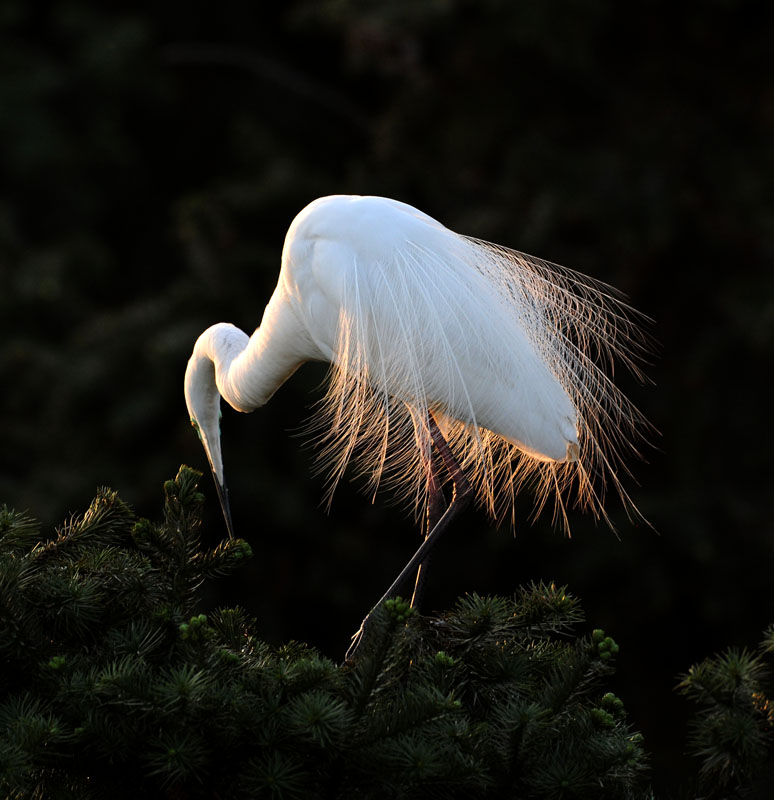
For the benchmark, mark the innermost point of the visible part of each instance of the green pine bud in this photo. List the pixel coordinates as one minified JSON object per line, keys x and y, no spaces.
{"x":612,"y":703}
{"x":602,"y":718}
{"x":443,"y":659}
{"x":606,"y":645}
{"x":141,"y":531}
{"x":399,"y":609}
{"x":597,"y":634}
{"x":245,"y":550}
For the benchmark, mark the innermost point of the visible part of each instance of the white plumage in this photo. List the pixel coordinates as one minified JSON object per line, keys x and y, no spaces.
{"x":507,"y":352}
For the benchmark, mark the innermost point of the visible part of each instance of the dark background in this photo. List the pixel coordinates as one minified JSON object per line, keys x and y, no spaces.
{"x":151,"y":162}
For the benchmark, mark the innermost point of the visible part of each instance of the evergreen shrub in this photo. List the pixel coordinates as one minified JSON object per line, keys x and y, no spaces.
{"x":114,"y":685}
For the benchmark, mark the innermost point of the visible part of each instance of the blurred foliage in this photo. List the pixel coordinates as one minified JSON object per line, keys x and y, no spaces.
{"x":733,"y":729}
{"x":153,"y":159}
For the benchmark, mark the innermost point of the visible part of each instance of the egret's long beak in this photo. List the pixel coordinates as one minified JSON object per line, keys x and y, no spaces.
{"x":222,"y":490}
{"x":211,"y":441}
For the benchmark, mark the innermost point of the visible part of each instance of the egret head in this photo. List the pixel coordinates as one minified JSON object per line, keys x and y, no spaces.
{"x":203,"y":401}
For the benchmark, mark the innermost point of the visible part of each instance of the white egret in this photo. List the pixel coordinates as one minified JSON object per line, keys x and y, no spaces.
{"x":449,"y":355}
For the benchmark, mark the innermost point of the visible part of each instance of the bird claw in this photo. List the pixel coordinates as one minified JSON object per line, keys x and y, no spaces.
{"x":357,"y":639}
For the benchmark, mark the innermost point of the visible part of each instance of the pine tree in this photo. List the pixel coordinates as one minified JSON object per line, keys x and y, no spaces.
{"x":732,"y":732}
{"x":114,"y":686}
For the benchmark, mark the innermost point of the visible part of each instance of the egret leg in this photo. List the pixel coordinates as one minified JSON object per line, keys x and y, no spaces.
{"x":461,"y":497}
{"x":435,"y":500}
{"x":436,"y":505}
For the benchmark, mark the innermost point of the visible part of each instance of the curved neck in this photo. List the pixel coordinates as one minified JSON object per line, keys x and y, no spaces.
{"x":248,"y":370}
